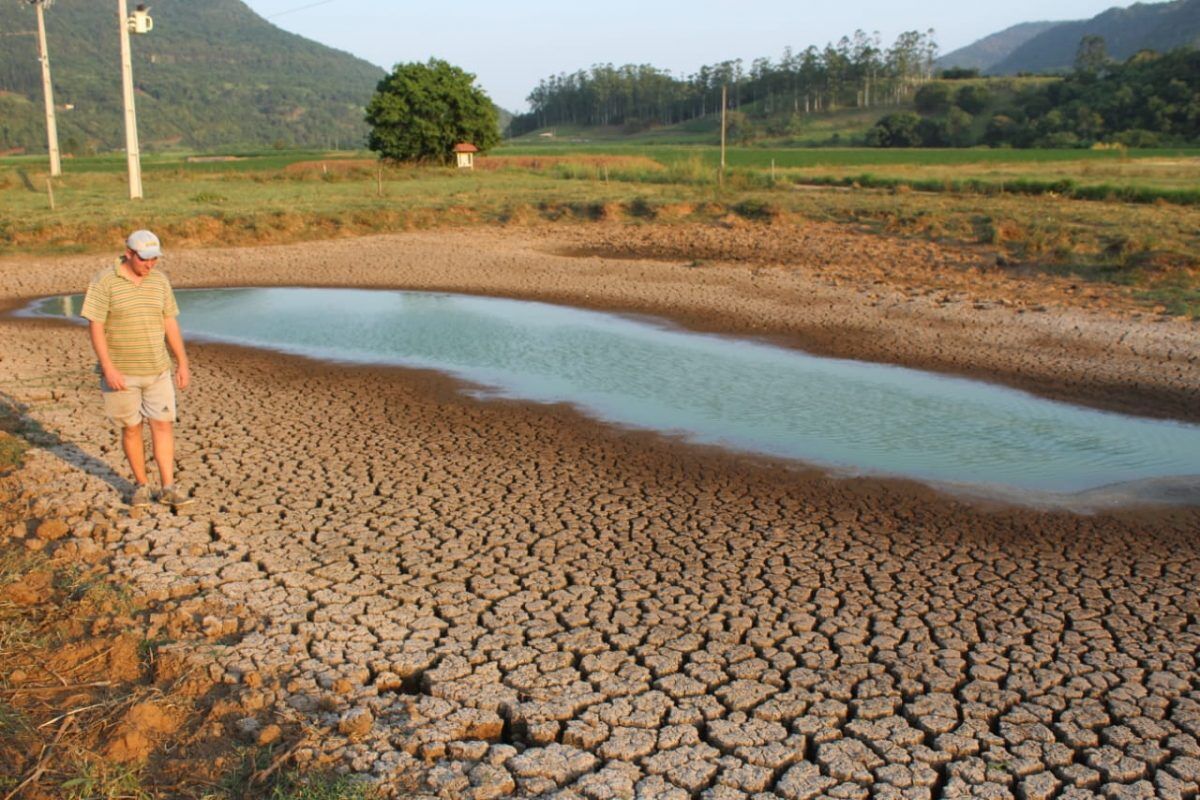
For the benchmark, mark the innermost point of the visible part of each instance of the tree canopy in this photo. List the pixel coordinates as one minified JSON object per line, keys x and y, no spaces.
{"x":1149,"y":101}
{"x":1092,"y":55}
{"x":421,"y":111}
{"x":856,"y":72}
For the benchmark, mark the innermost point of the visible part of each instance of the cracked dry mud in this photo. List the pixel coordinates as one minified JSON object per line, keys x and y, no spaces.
{"x":494,"y":599}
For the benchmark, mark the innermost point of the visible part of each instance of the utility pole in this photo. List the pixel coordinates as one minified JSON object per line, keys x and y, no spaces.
{"x":132,"y":154}
{"x":724,"y":106}
{"x":47,"y":89}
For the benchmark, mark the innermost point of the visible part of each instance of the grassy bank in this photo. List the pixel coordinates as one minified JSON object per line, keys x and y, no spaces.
{"x":783,"y":157}
{"x":1029,"y":206}
{"x":1066,"y":187}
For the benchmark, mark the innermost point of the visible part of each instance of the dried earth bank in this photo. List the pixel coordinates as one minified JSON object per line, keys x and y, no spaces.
{"x":821,"y":287}
{"x":490,"y":600}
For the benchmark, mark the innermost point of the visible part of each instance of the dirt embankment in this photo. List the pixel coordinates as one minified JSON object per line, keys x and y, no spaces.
{"x":821,"y":287}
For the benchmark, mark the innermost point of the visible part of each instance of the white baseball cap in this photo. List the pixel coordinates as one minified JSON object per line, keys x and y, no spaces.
{"x":145,"y":244}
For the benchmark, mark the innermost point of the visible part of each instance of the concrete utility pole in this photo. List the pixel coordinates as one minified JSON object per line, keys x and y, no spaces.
{"x":47,"y":89}
{"x":132,"y":154}
{"x":724,"y":106}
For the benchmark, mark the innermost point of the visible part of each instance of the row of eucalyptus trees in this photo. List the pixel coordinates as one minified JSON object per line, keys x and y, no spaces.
{"x":858,"y":71}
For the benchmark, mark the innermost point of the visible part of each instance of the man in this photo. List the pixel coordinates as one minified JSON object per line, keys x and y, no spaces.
{"x":132,"y":320}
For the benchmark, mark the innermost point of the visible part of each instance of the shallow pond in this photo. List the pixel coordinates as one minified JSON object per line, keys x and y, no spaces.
{"x":847,"y":416}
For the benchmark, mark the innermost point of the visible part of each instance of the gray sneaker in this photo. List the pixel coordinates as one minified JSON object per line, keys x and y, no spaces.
{"x":140,"y":498}
{"x":173,"y":497}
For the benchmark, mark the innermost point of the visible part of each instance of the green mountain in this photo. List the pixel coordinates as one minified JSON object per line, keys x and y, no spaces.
{"x":1144,"y":26}
{"x":211,"y":74}
{"x":990,"y":50}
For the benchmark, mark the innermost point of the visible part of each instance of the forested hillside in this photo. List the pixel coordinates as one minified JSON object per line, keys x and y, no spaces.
{"x":1150,"y":100}
{"x":990,"y":50}
{"x":211,"y":74}
{"x":1161,"y":27}
{"x":856,"y":72}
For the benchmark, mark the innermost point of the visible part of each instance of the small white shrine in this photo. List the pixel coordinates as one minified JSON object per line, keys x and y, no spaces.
{"x":465,"y":152}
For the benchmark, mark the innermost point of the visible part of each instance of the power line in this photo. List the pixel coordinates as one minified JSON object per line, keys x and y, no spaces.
{"x":300,"y":8}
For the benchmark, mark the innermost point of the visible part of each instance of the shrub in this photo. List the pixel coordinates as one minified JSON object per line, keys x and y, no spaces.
{"x":933,"y":133}
{"x":757,"y":210}
{"x":973,"y":98}
{"x":209,"y":198}
{"x":896,"y":130}
{"x":933,"y":98}
{"x":1000,"y":129}
{"x":1139,"y":138}
{"x":739,"y":127}
{"x":691,"y":170}
{"x":640,"y":207}
{"x":1060,"y":140}
{"x":960,"y":128}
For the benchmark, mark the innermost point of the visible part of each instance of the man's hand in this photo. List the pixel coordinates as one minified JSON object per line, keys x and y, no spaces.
{"x":114,"y":379}
{"x":175,"y":342}
{"x":112,"y":376}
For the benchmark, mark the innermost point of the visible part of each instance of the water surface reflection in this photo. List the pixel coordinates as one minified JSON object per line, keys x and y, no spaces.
{"x":844,"y":415}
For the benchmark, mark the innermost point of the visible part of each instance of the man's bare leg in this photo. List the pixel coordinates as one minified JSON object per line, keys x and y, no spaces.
{"x":135,"y":451}
{"x":162,"y":439}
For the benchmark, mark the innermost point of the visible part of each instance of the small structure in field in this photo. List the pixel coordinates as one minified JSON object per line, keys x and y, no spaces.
{"x":465,"y":152}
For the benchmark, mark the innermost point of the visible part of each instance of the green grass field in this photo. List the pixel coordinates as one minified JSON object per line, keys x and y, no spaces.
{"x":762,"y":157}
{"x":238,"y":161}
{"x":1138,"y":176}
{"x":1003,"y":199}
{"x":1067,"y":163}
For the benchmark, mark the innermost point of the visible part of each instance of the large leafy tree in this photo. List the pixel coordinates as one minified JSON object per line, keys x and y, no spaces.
{"x":421,"y":111}
{"x":896,"y":130}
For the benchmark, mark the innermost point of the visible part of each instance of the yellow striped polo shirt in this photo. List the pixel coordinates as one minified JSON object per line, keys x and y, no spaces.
{"x":132,"y":315}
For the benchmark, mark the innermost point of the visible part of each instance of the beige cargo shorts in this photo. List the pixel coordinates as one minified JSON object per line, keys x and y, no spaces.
{"x":144,"y":397}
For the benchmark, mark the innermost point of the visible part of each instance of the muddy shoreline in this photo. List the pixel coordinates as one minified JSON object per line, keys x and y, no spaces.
{"x":1147,"y":498}
{"x":826,"y":295}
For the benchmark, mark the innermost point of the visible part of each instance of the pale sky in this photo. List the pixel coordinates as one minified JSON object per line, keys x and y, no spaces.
{"x":510,"y":46}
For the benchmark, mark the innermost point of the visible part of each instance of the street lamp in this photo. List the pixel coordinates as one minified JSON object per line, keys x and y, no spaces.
{"x":47,"y":88}
{"x":139,"y":22}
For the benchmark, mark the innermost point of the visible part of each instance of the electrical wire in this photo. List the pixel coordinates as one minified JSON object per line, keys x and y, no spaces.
{"x":300,"y":8}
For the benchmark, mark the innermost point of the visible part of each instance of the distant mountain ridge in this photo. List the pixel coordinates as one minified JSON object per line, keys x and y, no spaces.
{"x":1051,"y":46}
{"x":981,"y":55}
{"x":212,"y":73}
{"x":1143,"y":26}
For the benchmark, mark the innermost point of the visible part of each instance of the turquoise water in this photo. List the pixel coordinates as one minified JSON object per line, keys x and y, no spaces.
{"x":847,"y":416}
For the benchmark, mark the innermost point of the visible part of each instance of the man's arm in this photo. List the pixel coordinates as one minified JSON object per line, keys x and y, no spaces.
{"x":175,"y":342}
{"x":112,"y":376}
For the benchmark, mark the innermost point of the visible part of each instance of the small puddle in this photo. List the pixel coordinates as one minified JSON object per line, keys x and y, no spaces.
{"x":846,"y":416}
